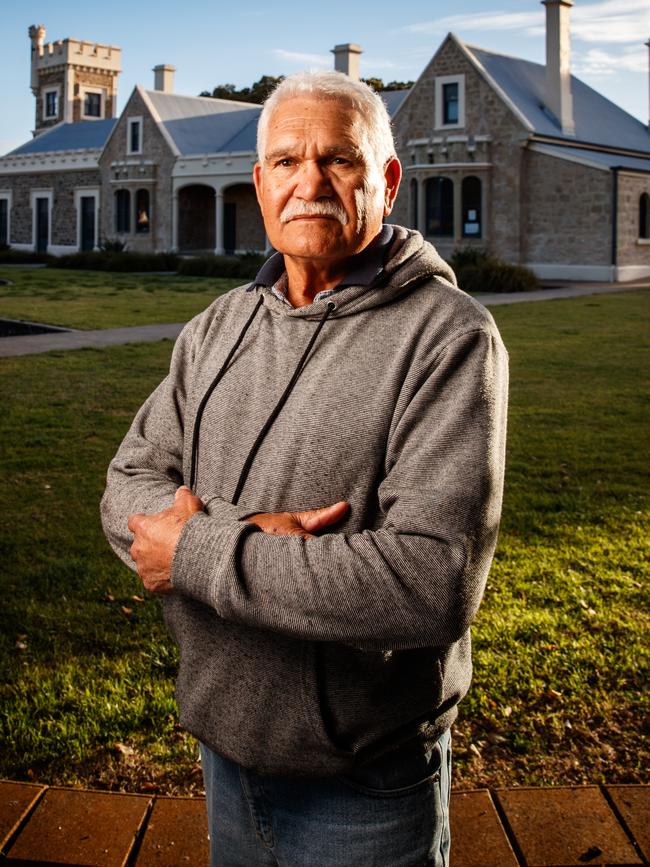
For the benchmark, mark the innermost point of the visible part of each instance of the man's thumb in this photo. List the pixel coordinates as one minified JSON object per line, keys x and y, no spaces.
{"x":315,"y":519}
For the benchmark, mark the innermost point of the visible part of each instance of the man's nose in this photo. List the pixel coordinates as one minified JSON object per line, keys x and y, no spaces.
{"x":312,"y":182}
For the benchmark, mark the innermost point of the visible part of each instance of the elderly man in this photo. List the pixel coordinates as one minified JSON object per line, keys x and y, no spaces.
{"x":316,"y":489}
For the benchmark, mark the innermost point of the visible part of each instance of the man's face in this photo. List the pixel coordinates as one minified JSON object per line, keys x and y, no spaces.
{"x":321,"y":193}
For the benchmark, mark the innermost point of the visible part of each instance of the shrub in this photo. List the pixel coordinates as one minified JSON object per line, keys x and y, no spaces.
{"x":98,"y":260}
{"x":478,"y":270}
{"x":245,"y":266}
{"x":9,"y":256}
{"x":111,"y":246}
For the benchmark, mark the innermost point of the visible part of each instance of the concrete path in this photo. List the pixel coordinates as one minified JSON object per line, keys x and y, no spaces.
{"x":32,"y":344}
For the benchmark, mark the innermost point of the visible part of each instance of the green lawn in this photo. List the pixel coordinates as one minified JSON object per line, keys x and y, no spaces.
{"x":560,"y":657}
{"x":100,"y":299}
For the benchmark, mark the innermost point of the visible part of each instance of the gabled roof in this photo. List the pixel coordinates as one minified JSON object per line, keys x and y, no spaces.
{"x":597,"y":120}
{"x":394,"y":98}
{"x":83,"y":135}
{"x":202,"y":125}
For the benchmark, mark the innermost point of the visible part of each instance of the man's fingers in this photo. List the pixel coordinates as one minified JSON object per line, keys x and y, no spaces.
{"x":135,"y":522}
{"x":186,"y":501}
{"x":316,"y":519}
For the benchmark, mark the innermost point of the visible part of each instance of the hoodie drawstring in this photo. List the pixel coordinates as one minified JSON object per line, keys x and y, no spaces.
{"x":243,"y":475}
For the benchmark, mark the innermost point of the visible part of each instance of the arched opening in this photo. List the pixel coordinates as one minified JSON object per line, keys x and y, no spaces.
{"x":644,"y":216}
{"x":439,"y":202}
{"x":196,"y":219}
{"x":142,"y":212}
{"x":471,"y":207}
{"x":243,"y":229}
{"x":122,"y":211}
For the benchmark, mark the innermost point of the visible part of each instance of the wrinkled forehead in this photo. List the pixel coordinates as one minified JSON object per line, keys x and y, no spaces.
{"x":333,"y":119}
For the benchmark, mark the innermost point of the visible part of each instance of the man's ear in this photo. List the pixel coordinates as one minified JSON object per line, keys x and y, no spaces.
{"x":257,"y":180}
{"x":392,"y":178}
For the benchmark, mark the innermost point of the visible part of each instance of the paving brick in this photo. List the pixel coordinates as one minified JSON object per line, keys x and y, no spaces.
{"x":477,"y":835}
{"x":74,"y":827}
{"x":633,"y":804}
{"x":176,"y":834}
{"x":16,"y":800}
{"x":566,"y":827}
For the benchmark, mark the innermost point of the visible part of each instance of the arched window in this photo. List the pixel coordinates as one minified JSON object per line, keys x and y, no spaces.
{"x":644,"y":216}
{"x":122,"y":211}
{"x":471,"y":204}
{"x":414,"y":204}
{"x":439,"y":203}
{"x":142,"y":216}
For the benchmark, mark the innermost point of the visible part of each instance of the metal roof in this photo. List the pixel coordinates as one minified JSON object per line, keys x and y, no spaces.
{"x":586,"y":156}
{"x":597,"y":120}
{"x":394,"y":98}
{"x":83,"y":135}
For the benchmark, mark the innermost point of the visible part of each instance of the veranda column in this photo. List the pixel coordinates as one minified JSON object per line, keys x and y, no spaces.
{"x":175,"y":220}
{"x":219,"y":249}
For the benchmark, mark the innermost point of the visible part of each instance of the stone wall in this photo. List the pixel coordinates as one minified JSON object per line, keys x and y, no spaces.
{"x":631,"y":249}
{"x":567,"y":212}
{"x":499,"y":135}
{"x":99,"y":80}
{"x":150,"y":170}
{"x":63,"y":230}
{"x":249,"y":228}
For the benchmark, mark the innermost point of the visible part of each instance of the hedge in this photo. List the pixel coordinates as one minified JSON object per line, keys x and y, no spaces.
{"x":478,"y":270}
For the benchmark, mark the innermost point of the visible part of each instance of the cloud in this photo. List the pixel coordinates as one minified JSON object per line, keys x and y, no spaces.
{"x":303,"y":59}
{"x":370,"y":64}
{"x":609,"y":21}
{"x":598,"y":63}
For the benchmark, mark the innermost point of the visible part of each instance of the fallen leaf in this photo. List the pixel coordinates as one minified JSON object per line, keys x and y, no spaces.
{"x":21,"y":645}
{"x":127,"y":611}
{"x":109,"y":598}
{"x":137,"y":598}
{"x":507,"y":711}
{"x":123,"y":749}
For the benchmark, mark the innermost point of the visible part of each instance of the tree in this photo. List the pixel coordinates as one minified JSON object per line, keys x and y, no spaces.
{"x":257,"y":92}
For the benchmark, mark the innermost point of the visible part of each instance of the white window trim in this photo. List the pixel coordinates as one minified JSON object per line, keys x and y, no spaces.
{"x":55,"y":116}
{"x":5,"y":196}
{"x":91,"y":193}
{"x":102,"y":102}
{"x":441,"y":80}
{"x":41,"y":194}
{"x":129,"y":123}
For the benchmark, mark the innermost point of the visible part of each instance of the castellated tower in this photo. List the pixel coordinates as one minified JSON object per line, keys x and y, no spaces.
{"x":72,"y":80}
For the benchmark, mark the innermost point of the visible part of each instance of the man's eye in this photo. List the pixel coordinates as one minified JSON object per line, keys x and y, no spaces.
{"x":286,"y":162}
{"x":340,"y":161}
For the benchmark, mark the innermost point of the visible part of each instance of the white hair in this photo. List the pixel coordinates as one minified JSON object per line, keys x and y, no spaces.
{"x":336,"y":86}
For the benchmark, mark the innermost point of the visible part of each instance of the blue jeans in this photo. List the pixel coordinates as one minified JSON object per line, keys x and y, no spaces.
{"x":392,"y":813}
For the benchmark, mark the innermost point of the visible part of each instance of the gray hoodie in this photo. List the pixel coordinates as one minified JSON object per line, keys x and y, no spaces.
{"x":310,"y":656}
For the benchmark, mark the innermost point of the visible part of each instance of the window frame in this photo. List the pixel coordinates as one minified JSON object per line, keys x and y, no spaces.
{"x":644,"y":217}
{"x":56,"y":91}
{"x":125,"y":211}
{"x":47,"y":193}
{"x":134,"y":122}
{"x":463,"y":208}
{"x":440,"y":82}
{"x":96,"y":91}
{"x":90,"y":193}
{"x":6,"y":196}
{"x":451,"y":188}
{"x":144,"y":229}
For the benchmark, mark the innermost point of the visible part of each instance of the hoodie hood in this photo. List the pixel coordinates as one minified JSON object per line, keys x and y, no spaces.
{"x":409,"y":260}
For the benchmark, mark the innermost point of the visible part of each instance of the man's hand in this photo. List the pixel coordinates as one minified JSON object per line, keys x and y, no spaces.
{"x":303,"y":524}
{"x":155,"y":538}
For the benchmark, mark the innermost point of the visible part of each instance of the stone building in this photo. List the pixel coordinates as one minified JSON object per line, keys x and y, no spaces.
{"x":497,"y":152}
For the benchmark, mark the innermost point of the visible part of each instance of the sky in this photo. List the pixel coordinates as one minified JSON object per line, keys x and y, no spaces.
{"x":216,"y":43}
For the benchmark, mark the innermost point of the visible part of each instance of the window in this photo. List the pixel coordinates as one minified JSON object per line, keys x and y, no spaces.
{"x":644,"y":216}
{"x":439,"y":204}
{"x":92,"y":104}
{"x":142,"y":212}
{"x":134,"y":136}
{"x":51,"y":103}
{"x":449,"y":101}
{"x":471,"y":205}
{"x":414,"y":204}
{"x":122,"y":211}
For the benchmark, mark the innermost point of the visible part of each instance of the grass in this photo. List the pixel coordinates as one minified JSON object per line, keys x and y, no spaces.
{"x":97,"y":299}
{"x":560,"y":660}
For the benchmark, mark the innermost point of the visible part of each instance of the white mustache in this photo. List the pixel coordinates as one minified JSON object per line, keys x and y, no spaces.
{"x":323,"y":208}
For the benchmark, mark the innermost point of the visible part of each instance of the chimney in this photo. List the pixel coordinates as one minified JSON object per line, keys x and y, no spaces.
{"x":163,"y":77}
{"x":558,"y":63}
{"x":346,"y":59}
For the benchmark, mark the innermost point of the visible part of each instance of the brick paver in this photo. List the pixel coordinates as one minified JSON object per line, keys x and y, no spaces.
{"x":477,"y":835}
{"x":177,"y":834}
{"x":75,"y":827}
{"x":566,"y":827}
{"x":16,"y":800}
{"x":633,"y":805}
